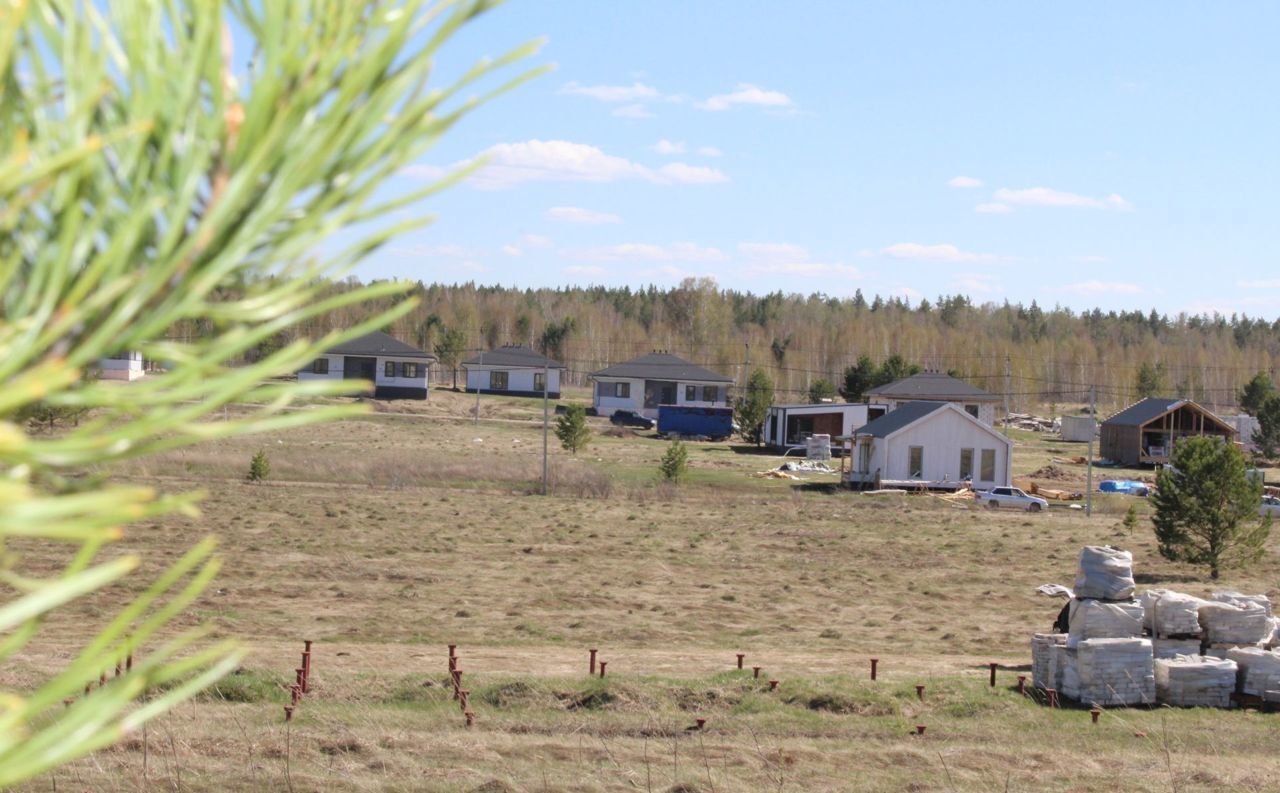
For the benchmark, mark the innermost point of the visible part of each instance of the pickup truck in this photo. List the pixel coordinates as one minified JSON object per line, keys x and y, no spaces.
{"x":1013,"y":497}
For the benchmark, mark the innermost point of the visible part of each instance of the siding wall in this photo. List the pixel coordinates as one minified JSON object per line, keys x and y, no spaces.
{"x":942,"y":436}
{"x":605,"y":406}
{"x":519,"y":379}
{"x":420,"y":383}
{"x":986,"y":410}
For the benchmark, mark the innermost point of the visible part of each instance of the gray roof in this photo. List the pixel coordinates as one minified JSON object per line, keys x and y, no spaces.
{"x":662,"y":366}
{"x":513,"y":355}
{"x":1150,"y":408}
{"x":932,"y":385}
{"x":378,"y":343}
{"x":894,"y":420}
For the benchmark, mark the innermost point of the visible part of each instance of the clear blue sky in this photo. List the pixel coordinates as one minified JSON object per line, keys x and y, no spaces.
{"x":1122,"y":155}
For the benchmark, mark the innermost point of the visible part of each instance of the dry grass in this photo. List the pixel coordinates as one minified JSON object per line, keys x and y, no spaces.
{"x":386,"y":538}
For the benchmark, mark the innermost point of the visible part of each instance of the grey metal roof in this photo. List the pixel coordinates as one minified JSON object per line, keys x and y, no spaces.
{"x":378,"y":343}
{"x":662,"y":366}
{"x":513,"y":355}
{"x":904,"y":414}
{"x":1141,"y":412}
{"x":932,"y":385}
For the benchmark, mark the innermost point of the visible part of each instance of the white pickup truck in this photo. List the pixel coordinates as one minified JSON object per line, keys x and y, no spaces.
{"x":998,"y":497}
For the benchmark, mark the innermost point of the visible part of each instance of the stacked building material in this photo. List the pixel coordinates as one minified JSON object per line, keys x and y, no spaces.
{"x":1110,"y":672}
{"x":1234,"y":623}
{"x":1042,"y":666}
{"x":1101,"y":619}
{"x":1104,"y":573}
{"x":1239,"y":599}
{"x":1168,"y":614}
{"x":1195,"y":681}
{"x":1058,"y":665}
{"x":1168,"y":648}
{"x":1259,"y":670}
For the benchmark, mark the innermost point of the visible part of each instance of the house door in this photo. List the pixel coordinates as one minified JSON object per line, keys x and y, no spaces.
{"x":659,"y":392}
{"x":354,"y":368}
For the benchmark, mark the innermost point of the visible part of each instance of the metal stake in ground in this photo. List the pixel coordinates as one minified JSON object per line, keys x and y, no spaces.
{"x":740,"y":657}
{"x":993,"y":675}
{"x":593,"y":661}
{"x":874,"y":662}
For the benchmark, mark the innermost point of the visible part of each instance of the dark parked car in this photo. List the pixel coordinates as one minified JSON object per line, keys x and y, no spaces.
{"x":630,"y":418}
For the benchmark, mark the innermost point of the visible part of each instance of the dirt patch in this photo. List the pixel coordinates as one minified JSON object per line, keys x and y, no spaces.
{"x":1052,"y":473}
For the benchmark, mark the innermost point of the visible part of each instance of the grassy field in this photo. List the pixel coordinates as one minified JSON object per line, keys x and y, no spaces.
{"x":386,"y":538}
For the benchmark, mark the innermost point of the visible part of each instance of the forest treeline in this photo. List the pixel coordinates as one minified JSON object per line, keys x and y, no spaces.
{"x":1037,"y":355}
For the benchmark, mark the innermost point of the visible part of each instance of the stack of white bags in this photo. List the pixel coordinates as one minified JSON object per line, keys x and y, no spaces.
{"x":1106,"y":660}
{"x":1193,"y":681}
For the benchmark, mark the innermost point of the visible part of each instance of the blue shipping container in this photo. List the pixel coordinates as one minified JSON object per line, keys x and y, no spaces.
{"x":714,"y":423}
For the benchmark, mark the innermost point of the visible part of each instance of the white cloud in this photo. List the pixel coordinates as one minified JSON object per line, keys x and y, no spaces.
{"x":512,"y":250}
{"x":1095,"y":287}
{"x":745,"y":94}
{"x":783,"y":258}
{"x":648,"y":252}
{"x":965,"y":181}
{"x":633,"y":111}
{"x":1048,"y":197}
{"x":683,"y":173}
{"x":612,"y":93}
{"x":993,"y":209}
{"x":710,"y":151}
{"x":979,"y":283}
{"x":578,"y":215}
{"x":1261,"y":283}
{"x":536,"y":241}
{"x":665,"y":146}
{"x":934,"y":253}
{"x":510,"y":164}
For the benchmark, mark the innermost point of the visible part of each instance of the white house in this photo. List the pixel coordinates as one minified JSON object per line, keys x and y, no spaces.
{"x":513,"y":370}
{"x":121,"y":366}
{"x":789,"y":426}
{"x":938,"y":387}
{"x":659,"y":378}
{"x":397,"y":370}
{"x":933,"y":443}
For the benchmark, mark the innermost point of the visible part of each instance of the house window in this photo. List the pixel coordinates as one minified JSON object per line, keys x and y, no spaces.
{"x":915,"y":462}
{"x":389,"y":369}
{"x":691,"y":393}
{"x":622,"y":390}
{"x":972,"y":410}
{"x":539,"y":381}
{"x":409,"y":370}
{"x":498,"y":381}
{"x":710,"y":393}
{"x":966,"y":463}
{"x":988,"y":473}
{"x":320,"y":366}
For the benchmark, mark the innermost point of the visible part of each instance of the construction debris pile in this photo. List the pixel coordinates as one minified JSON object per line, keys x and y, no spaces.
{"x":1163,"y":647}
{"x":1026,"y":421}
{"x":790,"y":468}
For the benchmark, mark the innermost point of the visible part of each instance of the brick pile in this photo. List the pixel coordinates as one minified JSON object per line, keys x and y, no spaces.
{"x":1110,"y":672}
{"x":1194,"y":681}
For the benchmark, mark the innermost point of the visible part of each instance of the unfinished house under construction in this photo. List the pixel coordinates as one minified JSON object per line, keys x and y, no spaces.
{"x":1144,"y":433}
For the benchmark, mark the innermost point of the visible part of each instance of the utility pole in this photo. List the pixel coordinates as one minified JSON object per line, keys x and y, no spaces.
{"x":546,"y":376}
{"x":1088,"y":482}
{"x":481,"y":365}
{"x":1008,"y":386}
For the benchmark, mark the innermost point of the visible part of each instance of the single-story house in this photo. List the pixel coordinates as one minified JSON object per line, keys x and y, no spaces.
{"x":659,"y":378}
{"x":121,"y":366}
{"x":938,"y":387}
{"x":932,"y":443}
{"x":513,"y":370}
{"x":397,"y":370}
{"x":789,"y":426}
{"x":1144,"y":433}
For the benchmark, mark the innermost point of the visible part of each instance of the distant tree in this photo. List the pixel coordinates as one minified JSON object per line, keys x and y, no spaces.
{"x":572,"y":429}
{"x":1255,"y":393}
{"x":259,"y":467}
{"x":857,"y":379}
{"x":1206,"y":507}
{"x":47,"y":416}
{"x":1150,"y":380}
{"x":1267,"y":436}
{"x":1130,"y":521}
{"x":675,"y":462}
{"x":449,"y":349}
{"x":554,"y":336}
{"x":895,"y":367}
{"x":779,"y":349}
{"x":821,"y":390}
{"x":524,"y":329}
{"x":751,"y":409}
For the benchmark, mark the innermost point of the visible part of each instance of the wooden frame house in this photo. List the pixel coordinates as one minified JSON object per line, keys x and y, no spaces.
{"x":1145,"y":433}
